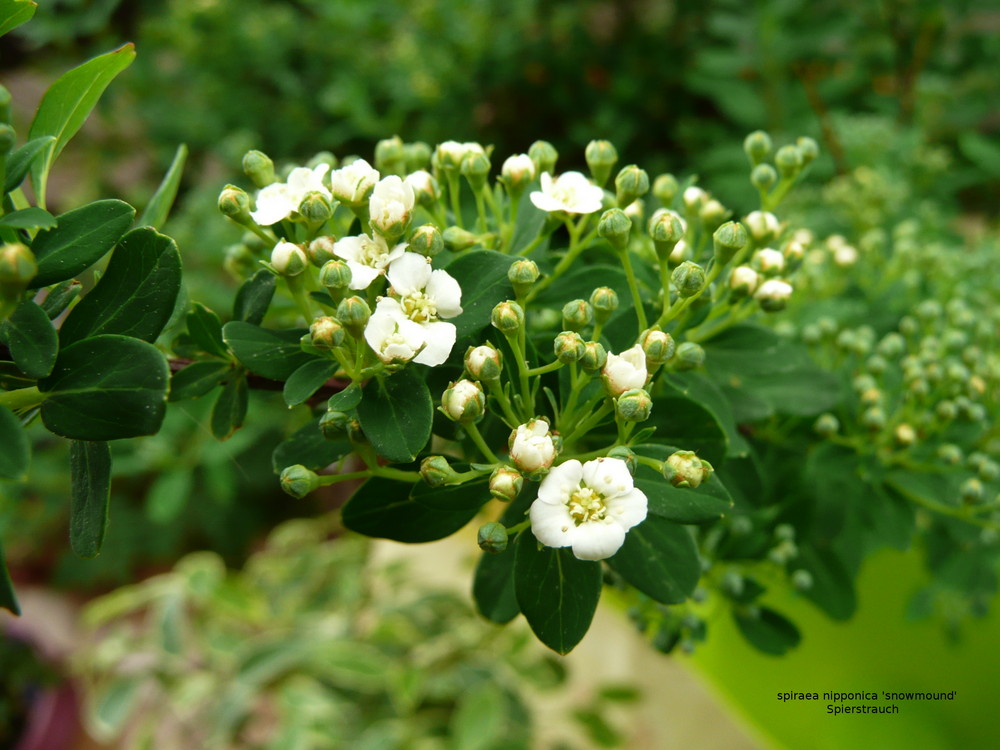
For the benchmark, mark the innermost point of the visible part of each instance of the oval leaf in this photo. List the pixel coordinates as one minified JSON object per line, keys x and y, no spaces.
{"x":106,"y":388}
{"x":493,"y":582}
{"x":15,"y":12}
{"x":28,"y":218}
{"x":659,"y":558}
{"x":254,"y":296}
{"x":16,"y":454}
{"x":197,"y":379}
{"x":90,"y":468}
{"x":458,"y":497}
{"x":32,"y":340}
{"x":309,"y":447}
{"x":205,"y":329}
{"x":769,"y":631}
{"x":483,"y":278}
{"x":308,"y":379}
{"x":158,"y":208}
{"x":20,"y":161}
{"x":270,"y":354}
{"x":346,"y":400}
{"x":396,"y":414}
{"x":230,"y":408}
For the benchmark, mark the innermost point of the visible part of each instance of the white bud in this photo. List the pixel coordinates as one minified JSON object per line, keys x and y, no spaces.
{"x":625,"y":371}
{"x":532,"y":447}
{"x":769,"y":261}
{"x":288,"y":259}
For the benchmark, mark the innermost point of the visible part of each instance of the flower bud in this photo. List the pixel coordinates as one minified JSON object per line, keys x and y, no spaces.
{"x":905,"y":435}
{"x":577,"y":314}
{"x":424,"y":186}
{"x":426,"y":240}
{"x":802,"y":579}
{"x":464,"y":402}
{"x":950,"y":454}
{"x":689,"y":356}
{"x":769,"y":261}
{"x":757,"y":146}
{"x":518,"y":172}
{"x":322,"y":157}
{"x":476,"y":169}
{"x":763,"y":226}
{"x":235,"y":203}
{"x":604,"y":300}
{"x":239,"y":261}
{"x":826,"y":425}
{"x":506,"y":483}
{"x":728,"y":240}
{"x":971,"y":491}
{"x":630,"y":184}
{"x":658,"y":346}
{"x":773,"y":295}
{"x":601,"y":158}
{"x":298,"y":481}
{"x":595,"y":356}
{"x":626,"y":454}
{"x":333,"y":423}
{"x":315,"y":208}
{"x":17,"y":268}
{"x":712,"y":213}
{"x":437,"y":472}
{"x":989,"y":470}
{"x":492,"y":538}
{"x":614,"y":226}
{"x":743,"y":282}
{"x":685,"y":469}
{"x":693,"y":197}
{"x":788,"y":160}
{"x":483,"y":362}
{"x":665,"y":189}
{"x":635,"y":211}
{"x":335,"y":275}
{"x":390,"y":156}
{"x":259,"y":168}
{"x":532,"y":446}
{"x":634,"y":405}
{"x":353,"y":313}
{"x":417,"y":156}
{"x":320,"y":250}
{"x":522,"y":275}
{"x":457,"y":239}
{"x":507,"y":317}
{"x":666,"y":229}
{"x":688,"y":278}
{"x":391,"y":206}
{"x":763,"y":177}
{"x":288,"y":259}
{"x":873,"y":418}
{"x":326,"y":333}
{"x":568,"y":347}
{"x":544,"y":155}
{"x":808,"y":148}
{"x":625,"y":371}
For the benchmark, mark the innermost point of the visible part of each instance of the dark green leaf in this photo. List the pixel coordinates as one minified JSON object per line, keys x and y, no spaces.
{"x":158,"y":208}
{"x":82,"y":237}
{"x":346,"y":400}
{"x":205,"y":330}
{"x":271,"y":354}
{"x":90,"y":467}
{"x":557,"y":593}
{"x":940,"y":489}
{"x":106,"y":388}
{"x":396,"y":414}
{"x":19,"y":162}
{"x":530,"y":220}
{"x":28,"y":218}
{"x":308,"y":379}
{"x":689,"y":425}
{"x":458,"y":497}
{"x":16,"y":453}
{"x":168,"y":495}
{"x":309,"y":447}
{"x":493,"y":583}
{"x":32,"y":340}
{"x":580,"y":282}
{"x":254,"y":297}
{"x":382,"y":508}
{"x":197,"y":379}
{"x":702,"y":390}
{"x":135,"y":296}
{"x":68,"y":102}
{"x":483,"y":278}
{"x":8,"y":600}
{"x":230,"y":408}
{"x":769,"y":631}
{"x":832,"y":589}
{"x":13,"y":13}
{"x":659,"y":558}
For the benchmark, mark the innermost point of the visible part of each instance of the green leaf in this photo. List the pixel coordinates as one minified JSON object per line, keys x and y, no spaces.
{"x":493,"y":583}
{"x":530,"y":220}
{"x":685,"y":423}
{"x":396,"y":414}
{"x":308,"y":379}
{"x":768,"y":631}
{"x":90,"y":468}
{"x":346,"y":400}
{"x":114,"y":705}
{"x":197,"y":379}
{"x":19,"y":162}
{"x":940,"y":489}
{"x":82,"y":237}
{"x":580,"y":282}
{"x":457,"y":497}
{"x":67,"y":104}
{"x":8,"y":600}
{"x":254,"y":297}
{"x":483,"y":278}
{"x":268,"y":353}
{"x":480,"y":718}
{"x":15,"y":12}
{"x":168,"y":495}
{"x":704,"y":391}
{"x":230,"y":408}
{"x":28,"y":218}
{"x":832,"y":588}
{"x":660,"y":559}
{"x":557,"y":593}
{"x":382,"y":508}
{"x":205,"y":329}
{"x":158,"y":208}
{"x":16,"y":454}
{"x":106,"y":388}
{"x":708,"y":502}
{"x":309,"y":447}
{"x":32,"y":340}
{"x":135,"y":296}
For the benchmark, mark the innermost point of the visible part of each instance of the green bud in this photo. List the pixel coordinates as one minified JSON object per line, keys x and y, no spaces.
{"x":601,"y":158}
{"x":568,"y":347}
{"x":416,"y":156}
{"x":808,"y":148}
{"x":763,"y":177}
{"x":483,"y":362}
{"x":971,"y":491}
{"x":826,"y":425}
{"x":728,"y":240}
{"x":235,"y":203}
{"x":457,"y":239}
{"x":335,"y":275}
{"x":464,"y":402}
{"x":905,"y":435}
{"x":326,"y":333}
{"x":518,"y":172}
{"x":689,"y":356}
{"x":259,"y":168}
{"x":506,"y":483}
{"x":298,"y":481}
{"x":873,"y":418}
{"x":950,"y":454}
{"x":626,"y":454}
{"x":604,"y":300}
{"x":476,"y":169}
{"x":658,"y":346}
{"x":665,"y":189}
{"x":492,"y":538}
{"x":320,"y":250}
{"x":712,"y":213}
{"x":685,"y":469}
{"x":390,"y":156}
{"x":288,"y":259}
{"x":544,"y":155}
{"x":426,"y":240}
{"x":8,"y":139}
{"x":17,"y":268}
{"x":522,"y":275}
{"x":333,"y":424}
{"x":315,"y":208}
{"x":353,"y":313}
{"x":788,"y":160}
{"x":577,"y":314}
{"x":688,"y":278}
{"x":60,"y":297}
{"x":630,"y":184}
{"x":507,"y":317}
{"x":757,"y":146}
{"x":595,"y":356}
{"x":989,"y":471}
{"x":666,"y":229}
{"x":802,"y":579}
{"x":634,"y":405}
{"x":437,"y":472}
{"x":615,"y":226}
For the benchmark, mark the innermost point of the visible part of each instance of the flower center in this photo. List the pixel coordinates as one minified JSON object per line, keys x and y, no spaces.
{"x":374,"y":254}
{"x":419,"y":307}
{"x":587,"y":505}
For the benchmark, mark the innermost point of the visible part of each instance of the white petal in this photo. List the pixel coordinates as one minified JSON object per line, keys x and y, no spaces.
{"x":629,"y":509}
{"x":440,"y":338}
{"x":561,"y":482}
{"x":409,"y":273}
{"x":545,"y":202}
{"x":551,"y":524}
{"x":361,"y":275}
{"x":392,"y":307}
{"x":597,"y":541}
{"x":380,"y":326}
{"x":273,"y":204}
{"x":349,"y":248}
{"x":609,"y":476}
{"x":446,"y":293}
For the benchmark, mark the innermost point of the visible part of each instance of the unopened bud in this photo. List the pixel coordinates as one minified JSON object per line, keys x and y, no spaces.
{"x":577,"y":314}
{"x":288,"y":259}
{"x":315,"y":208}
{"x":712,"y":213}
{"x":763,"y":226}
{"x":259,"y":168}
{"x":326,"y":333}
{"x":595,"y":356}
{"x":320,"y":250}
{"x":763,"y":177}
{"x":424,"y":186}
{"x":802,"y":579}
{"x":335,"y":275}
{"x":615,"y":226}
{"x":826,"y":425}
{"x":426,"y":240}
{"x":665,"y":189}
{"x":483,"y":363}
{"x":743,"y":282}
{"x":634,"y":405}
{"x":506,"y":483}
{"x":689,"y":356}
{"x":971,"y":491}
{"x":457,"y":239}
{"x":685,"y":469}
{"x":518,"y":172}
{"x":437,"y":472}
{"x":601,"y":158}
{"x":544,"y":155}
{"x":333,"y":423}
{"x":626,"y":454}
{"x":873,"y":418}
{"x":353,"y":313}
{"x":666,"y":229}
{"x":568,"y":347}
{"x":689,"y":279}
{"x":773,"y":295}
{"x":492,"y":538}
{"x":298,"y":481}
{"x":728,"y":240}
{"x":757,"y":146}
{"x":417,"y":156}
{"x":769,"y":261}
{"x":17,"y":268}
{"x":788,"y":160}
{"x":390,"y":156}
{"x":905,"y":435}
{"x":658,"y":346}
{"x":604,"y":300}
{"x":693,"y":197}
{"x":476,"y":169}
{"x":808,"y":148}
{"x":464,"y":402}
{"x":630,"y":184}
{"x":235,"y":203}
{"x":950,"y":454}
{"x":522,"y":275}
{"x":507,"y":317}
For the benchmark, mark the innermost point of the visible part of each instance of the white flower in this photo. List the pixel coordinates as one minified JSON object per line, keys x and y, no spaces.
{"x":571,"y":192}
{"x":532,"y":446}
{"x":390,"y":206}
{"x":588,"y":507}
{"x":367,"y":257}
{"x":353,"y":184}
{"x":393,"y":336}
{"x":625,"y":371}
{"x":424,"y":296}
{"x":451,"y":153}
{"x":279,"y":200}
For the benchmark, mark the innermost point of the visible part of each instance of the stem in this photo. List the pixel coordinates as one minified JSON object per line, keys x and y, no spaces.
{"x":480,"y":212}
{"x":324,"y":480}
{"x":477,"y":437}
{"x":522,"y":370}
{"x":508,"y":233}
{"x":518,"y":528}
{"x":650,"y":462}
{"x":456,"y":204}
{"x":22,"y":398}
{"x":633,"y":287}
{"x":551,"y":367}
{"x":298,"y":292}
{"x":496,"y":390}
{"x":586,"y":424}
{"x":575,"y":248}
{"x":390,"y":473}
